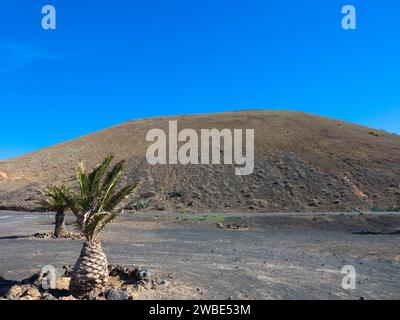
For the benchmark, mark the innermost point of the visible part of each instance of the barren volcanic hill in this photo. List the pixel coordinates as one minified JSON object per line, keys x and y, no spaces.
{"x":302,"y":163}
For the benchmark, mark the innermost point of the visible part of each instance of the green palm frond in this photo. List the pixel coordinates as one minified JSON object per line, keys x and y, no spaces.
{"x":98,"y":196}
{"x":100,"y":226}
{"x":55,"y":197}
{"x":112,"y":201}
{"x":72,"y":201}
{"x":96,"y":222}
{"x":82,"y":179}
{"x":97,"y":174}
{"x":114,"y":173}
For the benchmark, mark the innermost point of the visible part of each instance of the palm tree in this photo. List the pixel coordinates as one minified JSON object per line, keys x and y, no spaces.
{"x":94,"y":206}
{"x":55,"y":201}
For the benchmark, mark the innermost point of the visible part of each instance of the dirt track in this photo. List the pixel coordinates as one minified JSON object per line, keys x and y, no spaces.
{"x":280,"y":256}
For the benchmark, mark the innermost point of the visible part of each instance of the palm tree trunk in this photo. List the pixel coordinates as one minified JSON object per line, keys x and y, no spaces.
{"x":91,"y":270}
{"x":59,"y":229}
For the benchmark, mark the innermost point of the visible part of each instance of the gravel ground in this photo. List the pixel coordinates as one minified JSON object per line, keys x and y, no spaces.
{"x":278,"y":256}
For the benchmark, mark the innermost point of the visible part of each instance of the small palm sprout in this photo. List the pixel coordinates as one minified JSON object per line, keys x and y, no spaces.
{"x":94,"y":206}
{"x":55,"y":201}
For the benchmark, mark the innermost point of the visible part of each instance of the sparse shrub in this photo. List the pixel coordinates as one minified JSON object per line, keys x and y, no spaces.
{"x":212,"y":218}
{"x":373,"y":208}
{"x":357,"y":210}
{"x":176,"y":194}
{"x":141,"y":204}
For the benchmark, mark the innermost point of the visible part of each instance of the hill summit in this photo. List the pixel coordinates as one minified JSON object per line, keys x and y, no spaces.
{"x":302,"y":162}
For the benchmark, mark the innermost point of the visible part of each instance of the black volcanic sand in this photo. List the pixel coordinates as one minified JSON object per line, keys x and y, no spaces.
{"x":240,"y":256}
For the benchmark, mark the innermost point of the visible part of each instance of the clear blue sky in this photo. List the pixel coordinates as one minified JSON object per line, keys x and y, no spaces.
{"x":113,"y":61}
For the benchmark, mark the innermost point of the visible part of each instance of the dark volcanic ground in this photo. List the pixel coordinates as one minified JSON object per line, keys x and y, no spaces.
{"x":279,"y":256}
